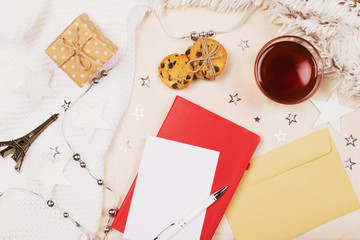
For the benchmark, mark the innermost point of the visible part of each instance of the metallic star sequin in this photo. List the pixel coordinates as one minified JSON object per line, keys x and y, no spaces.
{"x":66,"y":105}
{"x":291,"y":118}
{"x":280,"y":136}
{"x":139,"y":113}
{"x":54,"y":151}
{"x":146,"y":81}
{"x":349,"y":164}
{"x":125,"y":146}
{"x":350,"y":140}
{"x":234,"y":98}
{"x":244,"y":44}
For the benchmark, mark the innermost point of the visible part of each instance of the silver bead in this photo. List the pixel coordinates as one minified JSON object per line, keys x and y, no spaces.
{"x":82,"y":164}
{"x":104,"y":73}
{"x":211,"y":33}
{"x":107,"y":229}
{"x":76,"y":157}
{"x":194,"y":36}
{"x":100,"y":182}
{"x":66,"y":215}
{"x":50,"y":203}
{"x":95,"y":80}
{"x":203,"y":34}
{"x":112,"y":212}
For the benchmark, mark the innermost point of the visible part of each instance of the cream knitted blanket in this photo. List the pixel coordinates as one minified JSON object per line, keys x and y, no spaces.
{"x":32,"y":89}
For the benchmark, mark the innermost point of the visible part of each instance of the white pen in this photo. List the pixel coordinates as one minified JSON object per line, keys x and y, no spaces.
{"x":173,"y":228}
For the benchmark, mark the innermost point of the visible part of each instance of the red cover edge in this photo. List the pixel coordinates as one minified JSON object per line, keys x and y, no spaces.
{"x":120,"y":220}
{"x":206,"y":234}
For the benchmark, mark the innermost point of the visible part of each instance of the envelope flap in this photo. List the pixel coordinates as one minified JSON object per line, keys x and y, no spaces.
{"x":287,"y":157}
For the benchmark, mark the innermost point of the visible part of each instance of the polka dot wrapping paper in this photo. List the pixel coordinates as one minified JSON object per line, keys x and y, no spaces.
{"x":81,"y":50}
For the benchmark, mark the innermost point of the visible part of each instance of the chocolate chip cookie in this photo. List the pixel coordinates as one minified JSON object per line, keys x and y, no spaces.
{"x":173,"y":71}
{"x":217,"y":53}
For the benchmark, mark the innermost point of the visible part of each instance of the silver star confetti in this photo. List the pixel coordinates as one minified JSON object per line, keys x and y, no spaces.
{"x":350,"y":164}
{"x":234,"y":98}
{"x":146,"y":81}
{"x":291,"y":118}
{"x":66,"y":105}
{"x":280,"y":136}
{"x":54,"y":151}
{"x":125,"y":146}
{"x":244,"y":44}
{"x":139,"y":113}
{"x":350,"y":140}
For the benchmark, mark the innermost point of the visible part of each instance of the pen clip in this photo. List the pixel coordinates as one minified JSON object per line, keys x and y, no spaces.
{"x":163,"y":231}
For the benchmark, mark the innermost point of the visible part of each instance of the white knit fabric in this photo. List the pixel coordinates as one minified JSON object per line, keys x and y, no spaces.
{"x":27,"y":29}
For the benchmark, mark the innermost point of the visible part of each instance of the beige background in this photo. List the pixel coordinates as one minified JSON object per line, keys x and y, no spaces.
{"x":152,"y":45}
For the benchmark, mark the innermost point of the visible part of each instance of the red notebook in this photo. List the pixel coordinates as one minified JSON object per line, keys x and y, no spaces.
{"x":189,"y":123}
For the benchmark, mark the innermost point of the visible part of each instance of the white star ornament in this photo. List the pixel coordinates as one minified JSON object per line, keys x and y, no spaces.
{"x":331,"y":111}
{"x":51,"y":174}
{"x":90,"y":119}
{"x":37,"y":89}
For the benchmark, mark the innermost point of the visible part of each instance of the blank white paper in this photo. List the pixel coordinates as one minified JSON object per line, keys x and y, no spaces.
{"x":173,"y":179}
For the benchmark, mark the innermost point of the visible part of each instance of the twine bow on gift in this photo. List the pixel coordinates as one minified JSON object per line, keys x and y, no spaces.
{"x":206,"y":59}
{"x":81,"y":57}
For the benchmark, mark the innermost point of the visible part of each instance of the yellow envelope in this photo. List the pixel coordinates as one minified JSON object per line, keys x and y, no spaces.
{"x":291,"y":190}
